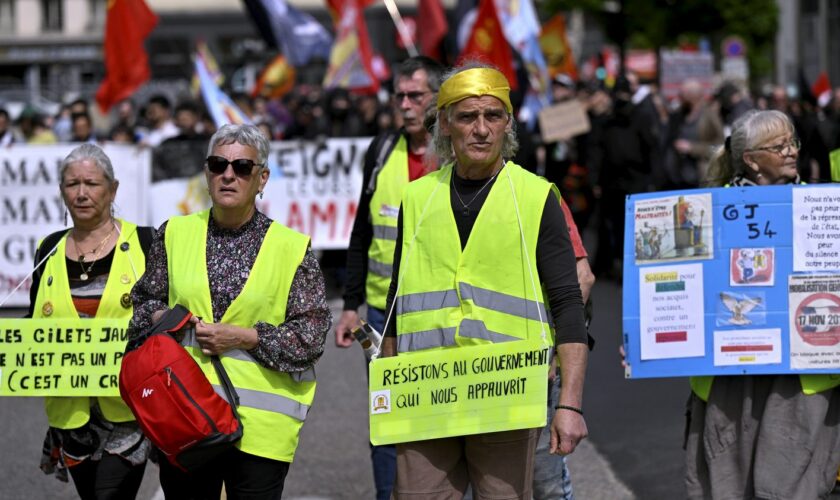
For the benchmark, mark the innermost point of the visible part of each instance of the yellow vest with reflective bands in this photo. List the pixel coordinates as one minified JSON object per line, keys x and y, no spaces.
{"x":74,"y":412}
{"x":490,"y":291}
{"x":272,"y":405}
{"x":384,"y":209}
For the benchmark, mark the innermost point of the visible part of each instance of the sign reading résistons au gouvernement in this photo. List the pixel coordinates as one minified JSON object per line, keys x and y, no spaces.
{"x":456,"y":392}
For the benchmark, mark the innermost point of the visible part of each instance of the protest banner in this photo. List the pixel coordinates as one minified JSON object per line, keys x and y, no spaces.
{"x":313,"y":188}
{"x":563,"y":121}
{"x":31,"y":206}
{"x":753,"y":288}
{"x":61,"y":356}
{"x":456,"y":392}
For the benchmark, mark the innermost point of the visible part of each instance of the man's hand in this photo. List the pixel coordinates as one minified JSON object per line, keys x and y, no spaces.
{"x":218,"y":338}
{"x":348,"y":321}
{"x":568,"y":428}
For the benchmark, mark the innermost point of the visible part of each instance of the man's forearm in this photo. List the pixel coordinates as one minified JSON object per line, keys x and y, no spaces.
{"x":572,"y":358}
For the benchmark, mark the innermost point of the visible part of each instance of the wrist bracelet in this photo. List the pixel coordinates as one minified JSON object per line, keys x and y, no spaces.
{"x":570,"y":408}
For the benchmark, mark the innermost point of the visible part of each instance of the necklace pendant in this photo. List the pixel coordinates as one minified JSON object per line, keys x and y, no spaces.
{"x":466,"y":212}
{"x":83,"y":277}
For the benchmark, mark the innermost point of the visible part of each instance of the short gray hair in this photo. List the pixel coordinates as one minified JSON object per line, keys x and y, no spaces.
{"x":441,"y":148}
{"x":246,"y":135}
{"x":90,"y":152}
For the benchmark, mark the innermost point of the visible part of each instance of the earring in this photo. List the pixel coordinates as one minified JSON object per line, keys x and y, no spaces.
{"x":261,"y":194}
{"x":758,"y":175}
{"x":65,"y":216}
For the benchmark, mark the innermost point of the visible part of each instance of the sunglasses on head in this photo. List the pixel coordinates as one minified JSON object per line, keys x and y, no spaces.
{"x":241,"y":166}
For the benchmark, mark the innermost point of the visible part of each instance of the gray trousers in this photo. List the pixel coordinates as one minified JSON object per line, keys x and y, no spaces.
{"x":761,"y":437}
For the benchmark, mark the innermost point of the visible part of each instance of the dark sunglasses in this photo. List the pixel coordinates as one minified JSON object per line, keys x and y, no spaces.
{"x":241,"y":166}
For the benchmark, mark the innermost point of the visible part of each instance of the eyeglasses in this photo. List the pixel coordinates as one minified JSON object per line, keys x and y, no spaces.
{"x":414,"y":97}
{"x":241,"y":166}
{"x":791,"y":146}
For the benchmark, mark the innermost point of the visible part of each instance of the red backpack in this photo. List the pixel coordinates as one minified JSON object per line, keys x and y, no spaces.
{"x":174,"y":403}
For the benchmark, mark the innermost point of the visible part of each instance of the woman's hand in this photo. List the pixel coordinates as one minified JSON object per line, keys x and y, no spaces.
{"x":218,"y":338}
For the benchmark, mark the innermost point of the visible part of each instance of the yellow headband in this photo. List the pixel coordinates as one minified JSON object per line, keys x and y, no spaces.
{"x":475,"y":82}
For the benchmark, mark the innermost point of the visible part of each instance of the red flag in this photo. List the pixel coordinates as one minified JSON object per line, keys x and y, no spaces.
{"x":128,"y":24}
{"x":822,"y":89}
{"x":350,"y":65}
{"x":487,"y":42}
{"x":432,"y":27}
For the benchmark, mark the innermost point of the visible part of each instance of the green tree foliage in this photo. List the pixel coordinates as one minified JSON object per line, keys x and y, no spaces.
{"x":670,"y":23}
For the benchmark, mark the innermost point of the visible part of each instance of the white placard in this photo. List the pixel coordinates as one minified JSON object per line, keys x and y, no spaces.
{"x":671,"y":311}
{"x":748,"y":347}
{"x":816,"y":229}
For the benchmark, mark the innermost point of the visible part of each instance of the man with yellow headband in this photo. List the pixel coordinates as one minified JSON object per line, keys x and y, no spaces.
{"x":480,"y":238}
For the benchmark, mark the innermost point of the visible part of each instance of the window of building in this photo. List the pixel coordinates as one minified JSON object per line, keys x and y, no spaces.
{"x":7,"y":17}
{"x":97,"y":9}
{"x":52,"y":15}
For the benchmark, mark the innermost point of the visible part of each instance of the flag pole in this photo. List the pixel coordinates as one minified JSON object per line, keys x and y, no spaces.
{"x":401,"y":28}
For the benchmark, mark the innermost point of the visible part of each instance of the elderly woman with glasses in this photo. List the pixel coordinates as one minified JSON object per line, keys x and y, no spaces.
{"x":762,"y":436}
{"x":257,"y":296}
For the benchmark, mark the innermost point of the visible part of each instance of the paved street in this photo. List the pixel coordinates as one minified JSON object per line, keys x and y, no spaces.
{"x":634,"y":449}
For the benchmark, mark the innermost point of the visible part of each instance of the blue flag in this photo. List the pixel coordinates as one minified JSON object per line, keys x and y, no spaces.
{"x":299,"y":35}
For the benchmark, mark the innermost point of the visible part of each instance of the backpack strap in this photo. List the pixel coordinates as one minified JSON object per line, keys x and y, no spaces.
{"x":179,"y":317}
{"x":146,"y":235}
{"x":383,"y":150}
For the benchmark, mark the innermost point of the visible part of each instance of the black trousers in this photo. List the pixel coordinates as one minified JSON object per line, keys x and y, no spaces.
{"x":245,"y":476}
{"x":112,"y":478}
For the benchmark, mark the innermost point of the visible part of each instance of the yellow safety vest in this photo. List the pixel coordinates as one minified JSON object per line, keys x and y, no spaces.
{"x":54,"y":301}
{"x":384,"y":210}
{"x":490,"y":291}
{"x":811,"y":384}
{"x":272,"y":404}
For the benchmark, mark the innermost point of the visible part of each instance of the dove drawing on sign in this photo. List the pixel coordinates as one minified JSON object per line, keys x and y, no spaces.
{"x":739,"y":307}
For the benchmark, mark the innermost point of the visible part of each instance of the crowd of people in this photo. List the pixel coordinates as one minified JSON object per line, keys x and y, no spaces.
{"x":639,"y":141}
{"x":448,"y":159}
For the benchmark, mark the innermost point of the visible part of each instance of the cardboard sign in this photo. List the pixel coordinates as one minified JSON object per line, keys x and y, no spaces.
{"x":61,"y":356}
{"x":563,"y":121}
{"x":457,"y":392}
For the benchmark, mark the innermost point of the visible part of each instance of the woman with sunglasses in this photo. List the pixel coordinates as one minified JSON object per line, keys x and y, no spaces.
{"x":88,"y":273}
{"x":257,"y":296}
{"x":761,"y":436}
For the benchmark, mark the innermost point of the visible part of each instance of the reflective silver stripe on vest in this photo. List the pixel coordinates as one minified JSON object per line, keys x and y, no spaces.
{"x":416,"y":341}
{"x":385,"y":232}
{"x":268,"y":402}
{"x":189,"y":340}
{"x":427,"y":301}
{"x":502,"y":302}
{"x":380,"y":268}
{"x":476,"y":329}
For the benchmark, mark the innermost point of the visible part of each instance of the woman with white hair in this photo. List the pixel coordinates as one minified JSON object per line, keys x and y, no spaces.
{"x":762,"y":436}
{"x":88,"y":273}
